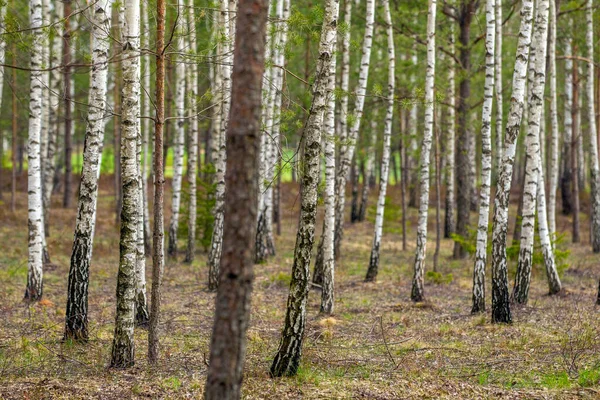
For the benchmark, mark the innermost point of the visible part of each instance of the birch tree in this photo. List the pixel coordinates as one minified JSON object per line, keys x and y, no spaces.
{"x":594,"y":164}
{"x":287,"y":359}
{"x":417,"y":292}
{"x":349,"y":144}
{"x":498,"y":83}
{"x":567,"y":173}
{"x":35,"y":218}
{"x":486,"y":160}
{"x":123,"y":344}
{"x":192,"y":84}
{"x":500,"y":298}
{"x":214,"y":255}
{"x":532,"y":143}
{"x":76,"y":319}
{"x":178,"y":144}
{"x":387,"y":135}
{"x":553,"y":154}
{"x":144,"y":42}
{"x":3,"y":8}
{"x":450,"y":206}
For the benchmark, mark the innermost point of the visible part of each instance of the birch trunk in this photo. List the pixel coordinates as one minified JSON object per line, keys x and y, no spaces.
{"x":553,"y":153}
{"x":576,"y":135}
{"x":76,"y":325}
{"x":417,"y":291}
{"x":349,"y":144}
{"x":500,"y":298}
{"x":192,"y":84}
{"x":70,"y":26}
{"x":288,"y":356}
{"x":385,"y":158}
{"x":449,"y":224}
{"x":498,"y":83}
{"x":44,"y":135}
{"x":146,"y":130}
{"x":3,"y":8}
{"x":486,"y":161}
{"x":35,"y":219}
{"x":178,"y":145}
{"x":214,"y":255}
{"x":345,"y":75}
{"x":123,"y":344}
{"x":567,"y":168}
{"x":594,"y":164}
{"x":532,"y":143}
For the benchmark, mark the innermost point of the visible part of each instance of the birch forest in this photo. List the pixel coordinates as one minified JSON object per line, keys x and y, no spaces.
{"x":299,"y":199}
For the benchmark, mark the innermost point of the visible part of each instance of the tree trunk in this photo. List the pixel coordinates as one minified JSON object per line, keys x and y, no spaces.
{"x":486,"y":161}
{"x":15,"y":128}
{"x":35,"y":220}
{"x":450,"y":204}
{"x":576,"y":135}
{"x":594,"y":163}
{"x":387,"y":135}
{"x":417,"y":291}
{"x":532,"y":143}
{"x":76,"y":319}
{"x":123,"y":344}
{"x":67,"y":103}
{"x":369,"y":168}
{"x":553,"y":153}
{"x":498,"y":88}
{"x":158,"y":235}
{"x":144,"y":43}
{"x":349,"y":144}
{"x":192,"y":85}
{"x":404,"y":177}
{"x":232,"y":305}
{"x":500,"y":298}
{"x":287,"y":360}
{"x":567,"y":173}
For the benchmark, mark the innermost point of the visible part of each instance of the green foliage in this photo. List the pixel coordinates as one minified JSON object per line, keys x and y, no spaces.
{"x":281,"y":279}
{"x":438,"y":278}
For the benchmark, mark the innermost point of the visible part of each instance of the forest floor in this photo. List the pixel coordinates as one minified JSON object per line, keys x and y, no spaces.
{"x":377,"y":345}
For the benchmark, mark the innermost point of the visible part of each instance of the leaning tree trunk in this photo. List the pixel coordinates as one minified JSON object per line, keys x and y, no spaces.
{"x":287,"y":360}
{"x":417,"y":291}
{"x":385,"y":158}
{"x":553,"y":153}
{"x":178,"y":146}
{"x":214,"y":255}
{"x":567,"y":168}
{"x":232,"y":305}
{"x":349,"y":144}
{"x":76,"y":318}
{"x":35,"y":219}
{"x":532,"y":143}
{"x":123,"y":344}
{"x":192,"y":84}
{"x":486,"y":161}
{"x":500,"y":298}
{"x":450,"y":205}
{"x":594,"y":164}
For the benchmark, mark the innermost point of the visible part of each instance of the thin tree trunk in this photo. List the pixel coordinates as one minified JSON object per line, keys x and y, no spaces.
{"x":67,"y":103}
{"x":404,"y":177}
{"x":567,"y":172}
{"x":576,"y":135}
{"x":35,"y":220}
{"x":369,"y":168}
{"x":498,"y":88}
{"x":287,"y":360}
{"x":349,"y":144}
{"x":76,"y":319}
{"x":553,"y":153}
{"x":15,"y":128}
{"x":123,"y":344}
{"x":387,"y":135}
{"x":417,"y":292}
{"x":158,"y":235}
{"x":450,"y":205}
{"x":144,"y":42}
{"x":500,"y":297}
{"x":192,"y":84}
{"x":486,"y":161}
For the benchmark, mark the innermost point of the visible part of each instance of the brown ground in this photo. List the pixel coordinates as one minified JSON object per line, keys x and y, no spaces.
{"x":378,"y":345}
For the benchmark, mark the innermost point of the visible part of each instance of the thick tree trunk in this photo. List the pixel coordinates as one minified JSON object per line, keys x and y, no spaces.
{"x":349,"y":144}
{"x":287,"y":360}
{"x":76,"y":319}
{"x":35,"y":219}
{"x":192,"y":85}
{"x":123,"y":344}
{"x":486,"y":161}
{"x":500,"y":297}
{"x":158,"y":245}
{"x":532,"y":143}
{"x":232,"y":305}
{"x":387,"y":135}
{"x":417,"y":291}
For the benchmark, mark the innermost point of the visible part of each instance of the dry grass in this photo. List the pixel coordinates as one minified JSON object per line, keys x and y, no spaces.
{"x":377,"y":345}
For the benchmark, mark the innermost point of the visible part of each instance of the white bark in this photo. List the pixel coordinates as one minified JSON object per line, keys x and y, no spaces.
{"x":498,"y":83}
{"x":3,"y":7}
{"x":146,"y":126}
{"x":178,"y":144}
{"x":486,"y":161}
{"x":449,"y":225}
{"x":500,"y":297}
{"x":349,"y":144}
{"x":123,"y":344}
{"x":567,"y":173}
{"x":532,"y":143}
{"x":417,"y":291}
{"x":46,"y":18}
{"x":345,"y":73}
{"x":594,"y":165}
{"x":553,"y":153}
{"x":35,"y":219}
{"x":387,"y":135}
